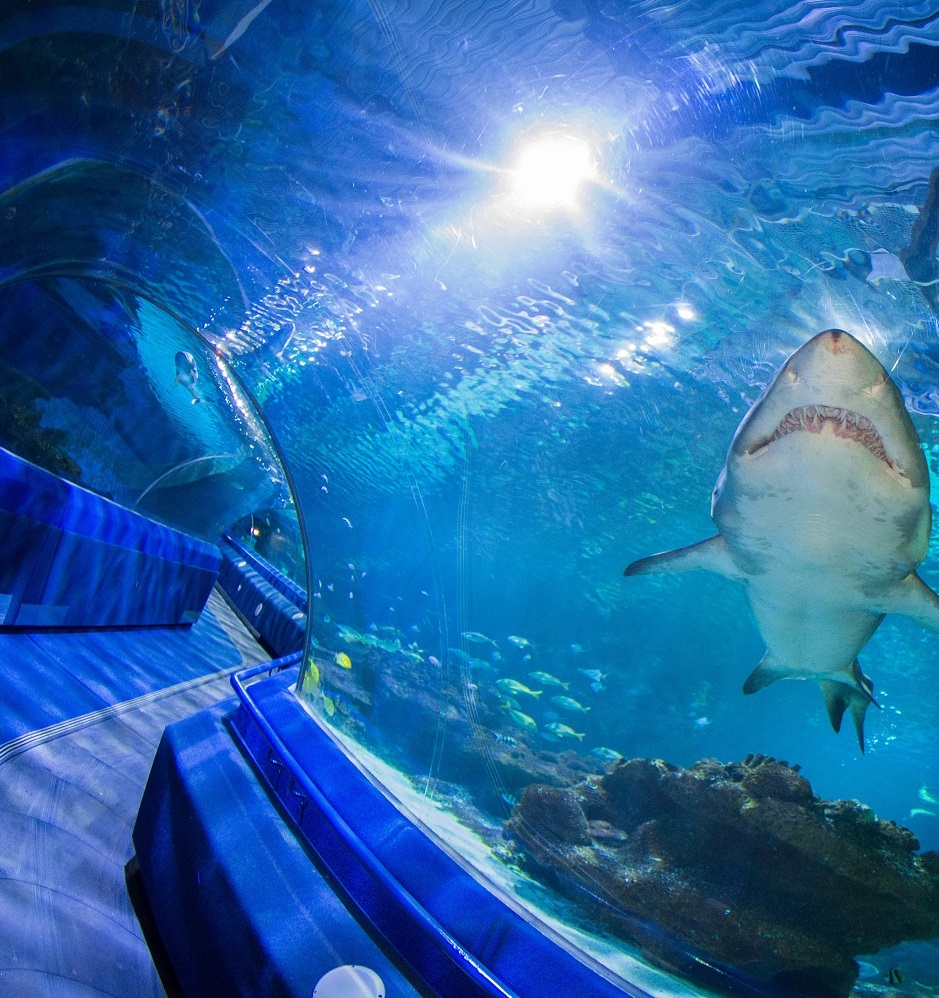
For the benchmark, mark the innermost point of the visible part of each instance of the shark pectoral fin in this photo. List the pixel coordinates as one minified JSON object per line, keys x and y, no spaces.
{"x":914,"y":599}
{"x":766,"y":673}
{"x":712,"y":555}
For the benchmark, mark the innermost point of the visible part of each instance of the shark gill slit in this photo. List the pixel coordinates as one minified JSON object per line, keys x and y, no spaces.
{"x":814,"y":418}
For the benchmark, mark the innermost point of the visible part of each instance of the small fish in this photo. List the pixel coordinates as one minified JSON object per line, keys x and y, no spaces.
{"x":433,"y":660}
{"x":894,"y":976}
{"x":329,"y":707}
{"x":867,"y":971}
{"x":564,"y":731}
{"x":523,"y":720}
{"x":926,"y":795}
{"x":504,"y":739}
{"x":519,"y":642}
{"x":594,"y":674}
{"x":480,"y":665}
{"x":187,"y":374}
{"x":607,"y":754}
{"x":515,"y":688}
{"x":577,"y":649}
{"x":547,"y":679}
{"x":343,"y":660}
{"x":311,"y":678}
{"x":349,"y":634}
{"x":923,"y":811}
{"x":597,"y":687}
{"x":568,"y":703}
{"x":478,"y":639}
{"x":702,"y":722}
{"x":509,"y":799}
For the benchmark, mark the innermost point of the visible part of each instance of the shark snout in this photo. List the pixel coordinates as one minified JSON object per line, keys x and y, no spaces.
{"x":834,"y":363}
{"x":836,"y":340}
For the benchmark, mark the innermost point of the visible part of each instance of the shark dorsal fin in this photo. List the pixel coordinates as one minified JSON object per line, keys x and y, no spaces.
{"x":711,"y":555}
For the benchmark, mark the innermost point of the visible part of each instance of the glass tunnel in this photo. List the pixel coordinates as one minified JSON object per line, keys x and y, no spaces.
{"x":432,"y":323}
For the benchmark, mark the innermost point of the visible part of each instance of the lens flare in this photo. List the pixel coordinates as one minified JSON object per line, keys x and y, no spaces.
{"x":549,"y":172}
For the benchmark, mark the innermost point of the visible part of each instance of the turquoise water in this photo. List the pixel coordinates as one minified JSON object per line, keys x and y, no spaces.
{"x":488,"y":402}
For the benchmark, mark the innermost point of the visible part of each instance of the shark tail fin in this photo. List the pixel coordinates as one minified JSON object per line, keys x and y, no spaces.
{"x":841,"y":697}
{"x":765,"y":674}
{"x":914,"y":599}
{"x":712,"y":555}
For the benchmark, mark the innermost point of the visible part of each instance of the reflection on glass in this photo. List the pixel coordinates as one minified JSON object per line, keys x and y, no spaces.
{"x":95,"y":395}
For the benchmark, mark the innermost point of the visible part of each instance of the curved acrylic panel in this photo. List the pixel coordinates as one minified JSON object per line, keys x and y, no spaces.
{"x":504,"y":280}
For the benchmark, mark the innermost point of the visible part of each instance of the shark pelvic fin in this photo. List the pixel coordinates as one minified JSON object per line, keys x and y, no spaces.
{"x":767,"y":673}
{"x":914,"y":599}
{"x":841,"y":697}
{"x":712,"y":555}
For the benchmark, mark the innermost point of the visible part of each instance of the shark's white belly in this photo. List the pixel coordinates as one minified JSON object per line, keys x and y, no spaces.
{"x":822,"y":531}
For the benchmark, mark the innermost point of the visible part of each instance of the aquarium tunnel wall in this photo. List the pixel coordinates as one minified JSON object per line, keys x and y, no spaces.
{"x":449,"y":313}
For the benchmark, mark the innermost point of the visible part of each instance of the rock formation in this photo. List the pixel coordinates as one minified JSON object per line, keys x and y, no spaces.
{"x":733,"y":874}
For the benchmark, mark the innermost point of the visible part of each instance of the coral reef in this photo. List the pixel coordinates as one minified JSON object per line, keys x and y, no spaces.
{"x":732,"y":873}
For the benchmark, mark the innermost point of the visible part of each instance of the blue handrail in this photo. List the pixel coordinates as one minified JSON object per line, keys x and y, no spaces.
{"x":430,"y":926}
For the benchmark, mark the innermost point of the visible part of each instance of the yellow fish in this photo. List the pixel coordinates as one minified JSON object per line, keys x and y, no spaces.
{"x":342,"y":659}
{"x":311,"y":678}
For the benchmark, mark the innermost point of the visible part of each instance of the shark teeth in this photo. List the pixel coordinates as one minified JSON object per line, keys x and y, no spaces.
{"x":845,"y":423}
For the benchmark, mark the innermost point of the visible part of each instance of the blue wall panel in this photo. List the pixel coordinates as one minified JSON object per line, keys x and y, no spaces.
{"x":71,"y":558}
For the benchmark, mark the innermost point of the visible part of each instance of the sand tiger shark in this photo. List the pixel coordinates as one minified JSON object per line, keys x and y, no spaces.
{"x":822,"y":512}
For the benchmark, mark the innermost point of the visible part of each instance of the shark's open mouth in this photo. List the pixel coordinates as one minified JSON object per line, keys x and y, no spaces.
{"x":845,"y":423}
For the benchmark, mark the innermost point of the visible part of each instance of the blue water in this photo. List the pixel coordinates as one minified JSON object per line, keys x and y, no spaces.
{"x":486,"y":409}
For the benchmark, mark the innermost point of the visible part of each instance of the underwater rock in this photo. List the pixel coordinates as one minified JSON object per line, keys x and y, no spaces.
{"x":556,"y":813}
{"x":733,"y":871}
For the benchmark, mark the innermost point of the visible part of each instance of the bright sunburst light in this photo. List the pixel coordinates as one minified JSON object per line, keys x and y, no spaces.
{"x":549,"y":171}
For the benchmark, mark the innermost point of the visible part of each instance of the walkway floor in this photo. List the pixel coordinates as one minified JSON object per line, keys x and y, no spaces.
{"x":69,"y":794}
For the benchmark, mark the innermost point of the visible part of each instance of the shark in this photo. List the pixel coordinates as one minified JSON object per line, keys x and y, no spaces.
{"x":187,"y":374}
{"x":822,"y":514}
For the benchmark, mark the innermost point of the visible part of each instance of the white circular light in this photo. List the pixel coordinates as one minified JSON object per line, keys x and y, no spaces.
{"x":350,"y":981}
{"x":549,"y":171}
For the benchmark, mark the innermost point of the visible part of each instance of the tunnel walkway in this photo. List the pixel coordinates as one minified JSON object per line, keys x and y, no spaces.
{"x":70,"y":790}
